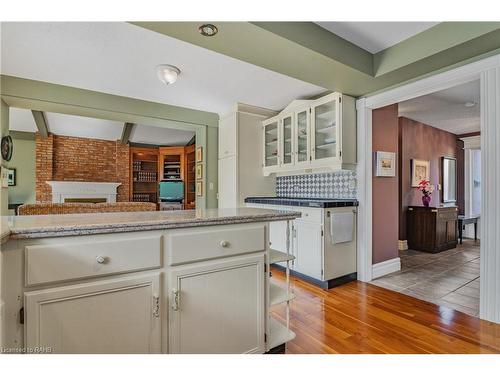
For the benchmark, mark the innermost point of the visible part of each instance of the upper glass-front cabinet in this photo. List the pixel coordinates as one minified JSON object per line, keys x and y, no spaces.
{"x":325,"y":126}
{"x":287,"y":149}
{"x":311,"y":134}
{"x":271,"y":154}
{"x":302,"y":141}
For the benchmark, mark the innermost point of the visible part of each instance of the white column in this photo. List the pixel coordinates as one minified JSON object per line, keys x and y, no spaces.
{"x":490,"y":205}
{"x":470,"y":143}
{"x":364,"y":173}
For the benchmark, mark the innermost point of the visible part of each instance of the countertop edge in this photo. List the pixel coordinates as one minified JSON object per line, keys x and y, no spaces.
{"x":41,"y":232}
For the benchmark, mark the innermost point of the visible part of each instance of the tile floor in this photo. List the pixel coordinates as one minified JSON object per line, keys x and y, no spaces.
{"x":449,"y":278}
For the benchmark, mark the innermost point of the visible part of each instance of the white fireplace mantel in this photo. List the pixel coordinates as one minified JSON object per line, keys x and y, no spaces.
{"x":61,"y":190}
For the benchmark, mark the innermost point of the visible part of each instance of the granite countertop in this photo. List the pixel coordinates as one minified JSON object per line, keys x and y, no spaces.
{"x":303,"y":202}
{"x":39,"y":226}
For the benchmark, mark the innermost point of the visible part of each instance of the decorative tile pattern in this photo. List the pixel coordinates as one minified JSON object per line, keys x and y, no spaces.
{"x":331,"y":185}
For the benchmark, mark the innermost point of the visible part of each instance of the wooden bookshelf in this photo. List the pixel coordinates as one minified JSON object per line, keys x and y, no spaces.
{"x":144,"y":174}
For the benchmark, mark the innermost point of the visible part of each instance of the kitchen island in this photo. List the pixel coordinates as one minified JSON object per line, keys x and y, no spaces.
{"x":139,"y":282}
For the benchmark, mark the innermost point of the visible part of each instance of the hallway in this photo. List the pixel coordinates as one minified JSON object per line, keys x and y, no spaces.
{"x":449,"y":278}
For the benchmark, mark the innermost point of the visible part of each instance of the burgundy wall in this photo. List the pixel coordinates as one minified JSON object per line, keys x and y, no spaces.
{"x":420,"y":141}
{"x":385,"y":189}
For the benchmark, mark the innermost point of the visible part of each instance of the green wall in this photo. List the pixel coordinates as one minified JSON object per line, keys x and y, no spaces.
{"x":23,"y":160}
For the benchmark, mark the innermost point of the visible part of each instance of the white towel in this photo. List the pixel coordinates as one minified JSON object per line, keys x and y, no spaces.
{"x":342,"y":227}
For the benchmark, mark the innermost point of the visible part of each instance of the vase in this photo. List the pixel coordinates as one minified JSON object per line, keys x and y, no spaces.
{"x":426,"y":200}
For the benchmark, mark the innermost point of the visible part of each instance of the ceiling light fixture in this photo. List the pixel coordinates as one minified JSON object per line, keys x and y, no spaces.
{"x":208,"y":29}
{"x":168,"y":74}
{"x":470,"y":104}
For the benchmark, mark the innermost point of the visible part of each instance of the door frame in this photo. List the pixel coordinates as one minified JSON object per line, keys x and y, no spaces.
{"x":488,"y":72}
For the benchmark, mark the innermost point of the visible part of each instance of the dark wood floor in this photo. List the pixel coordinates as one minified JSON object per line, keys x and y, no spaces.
{"x":364,"y":318}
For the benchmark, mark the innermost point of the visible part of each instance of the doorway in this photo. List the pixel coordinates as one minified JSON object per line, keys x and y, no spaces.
{"x":488,"y":71}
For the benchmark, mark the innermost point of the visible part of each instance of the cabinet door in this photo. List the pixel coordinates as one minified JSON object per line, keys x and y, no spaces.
{"x":271,"y":145}
{"x":277,"y":235}
{"x":326,"y":124}
{"x":308,"y":246}
{"x":116,"y":316}
{"x":302,"y":137}
{"x":218,"y":306}
{"x":228,"y":136}
{"x":228,"y":182}
{"x":287,"y":153}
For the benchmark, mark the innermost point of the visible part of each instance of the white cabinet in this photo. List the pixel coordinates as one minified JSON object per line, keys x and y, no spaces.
{"x":315,"y":134}
{"x":228,"y":136}
{"x":228,"y":182}
{"x":218,"y":306}
{"x":271,"y":152}
{"x":308,"y":248}
{"x":325,"y":130}
{"x":240,"y":155}
{"x":115,"y":316}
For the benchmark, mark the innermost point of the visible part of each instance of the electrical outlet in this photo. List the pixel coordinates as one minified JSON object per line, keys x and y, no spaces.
{"x":210,"y":186}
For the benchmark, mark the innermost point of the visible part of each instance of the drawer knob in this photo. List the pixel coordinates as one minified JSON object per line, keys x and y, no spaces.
{"x":224,"y":244}
{"x":100,"y":259}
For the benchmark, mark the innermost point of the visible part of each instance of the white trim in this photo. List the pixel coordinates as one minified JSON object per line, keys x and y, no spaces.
{"x":490,"y":196}
{"x":364,"y":173}
{"x":386,"y":267}
{"x":473,"y":142}
{"x":83,"y":189}
{"x":488,"y":71}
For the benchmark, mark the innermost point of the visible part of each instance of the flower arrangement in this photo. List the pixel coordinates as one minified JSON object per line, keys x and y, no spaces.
{"x":426,"y":188}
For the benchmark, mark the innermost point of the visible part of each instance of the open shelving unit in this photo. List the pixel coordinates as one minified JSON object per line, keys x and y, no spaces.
{"x":144,"y":174}
{"x":277,"y":333}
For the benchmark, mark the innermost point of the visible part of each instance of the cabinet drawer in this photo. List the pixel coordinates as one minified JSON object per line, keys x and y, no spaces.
{"x":192,"y":245}
{"x":311,"y":214}
{"x":76,"y":260}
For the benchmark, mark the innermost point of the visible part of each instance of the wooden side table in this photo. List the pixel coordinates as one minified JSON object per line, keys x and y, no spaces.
{"x":463,"y":221}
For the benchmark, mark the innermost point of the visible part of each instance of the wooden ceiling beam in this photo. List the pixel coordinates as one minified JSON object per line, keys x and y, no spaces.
{"x":41,"y":123}
{"x":127,"y":130}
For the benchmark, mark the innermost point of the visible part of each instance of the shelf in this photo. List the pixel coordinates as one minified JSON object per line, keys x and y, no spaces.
{"x":270,"y":143}
{"x":272,"y":131}
{"x":326,"y":145}
{"x":278,"y":294}
{"x":325,"y":115}
{"x":278,"y":334}
{"x":326,"y":130}
{"x":271,"y":157}
{"x":276,"y":256}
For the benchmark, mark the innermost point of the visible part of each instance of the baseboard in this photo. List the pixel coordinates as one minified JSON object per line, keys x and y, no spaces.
{"x":386,"y":267}
{"x":402,"y":245}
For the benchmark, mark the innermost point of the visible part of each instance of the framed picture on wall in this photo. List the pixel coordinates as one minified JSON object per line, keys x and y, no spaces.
{"x":420,"y":170}
{"x":199,"y":154}
{"x":199,"y":171}
{"x":199,"y":188}
{"x":385,"y":164}
{"x":11,"y":176}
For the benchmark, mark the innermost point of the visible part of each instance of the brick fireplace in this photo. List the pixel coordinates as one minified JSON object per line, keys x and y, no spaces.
{"x":63,"y":158}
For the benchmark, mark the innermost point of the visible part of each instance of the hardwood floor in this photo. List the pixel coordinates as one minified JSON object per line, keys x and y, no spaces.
{"x":364,"y":318}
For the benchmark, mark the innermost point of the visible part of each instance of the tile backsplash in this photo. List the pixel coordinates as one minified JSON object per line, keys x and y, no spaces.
{"x":330,"y":185}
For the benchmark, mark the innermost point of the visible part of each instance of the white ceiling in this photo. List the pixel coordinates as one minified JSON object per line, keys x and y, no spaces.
{"x":376,"y":36}
{"x":446,"y":109}
{"x":120,"y":58}
{"x":86,"y":127}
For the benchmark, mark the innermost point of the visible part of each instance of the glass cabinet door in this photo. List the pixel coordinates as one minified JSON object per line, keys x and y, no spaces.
{"x":302,"y":137}
{"x":325,"y":130}
{"x":287,"y":141}
{"x":271,"y":144}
